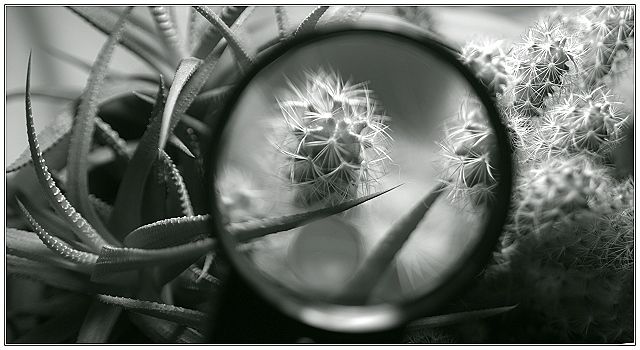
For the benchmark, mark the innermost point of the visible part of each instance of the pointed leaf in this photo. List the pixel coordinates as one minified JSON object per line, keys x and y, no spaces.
{"x":244,"y":231}
{"x":126,"y":214}
{"x":449,"y":319}
{"x":185,"y":119}
{"x":55,"y":135}
{"x":48,"y":220}
{"x":360,"y":285}
{"x":244,"y":59}
{"x":112,"y":139}
{"x":56,"y":199}
{"x":190,"y":318}
{"x":102,"y":208}
{"x":176,"y":187}
{"x":212,"y":36}
{"x":59,"y":246}
{"x":27,"y":245}
{"x":83,"y":128}
{"x":169,"y":232}
{"x":309,"y":23}
{"x":185,"y":70}
{"x":113,"y":260}
{"x":144,"y":47}
{"x":98,"y":323}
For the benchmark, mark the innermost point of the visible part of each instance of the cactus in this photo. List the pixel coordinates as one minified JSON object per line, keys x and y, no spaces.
{"x":607,"y":32}
{"x":566,"y":254}
{"x":337,"y":138}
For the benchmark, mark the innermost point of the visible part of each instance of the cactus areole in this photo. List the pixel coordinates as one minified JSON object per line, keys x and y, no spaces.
{"x":340,"y":145}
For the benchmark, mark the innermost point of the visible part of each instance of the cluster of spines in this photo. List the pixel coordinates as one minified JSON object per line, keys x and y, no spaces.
{"x":582,"y":122}
{"x":544,"y":59}
{"x":607,"y":32}
{"x":337,"y":138}
{"x":490,"y":64}
{"x":469,"y":150}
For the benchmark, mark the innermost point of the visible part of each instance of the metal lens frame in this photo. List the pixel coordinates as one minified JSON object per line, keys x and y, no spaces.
{"x":378,"y":317}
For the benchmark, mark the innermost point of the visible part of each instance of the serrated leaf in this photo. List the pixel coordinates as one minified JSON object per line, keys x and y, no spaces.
{"x":359,"y":286}
{"x":126,"y":215}
{"x":63,"y":249}
{"x":98,"y":323}
{"x":449,"y":319}
{"x":27,"y":245}
{"x":185,"y":119}
{"x":114,"y":260}
{"x":245,"y":60}
{"x":169,"y":232}
{"x":310,"y":22}
{"x":212,"y":36}
{"x":54,"y":138}
{"x":102,"y":208}
{"x":244,"y":231}
{"x":48,"y":220}
{"x":177,"y":191}
{"x":141,"y":46}
{"x":112,"y":139}
{"x":54,"y":196}
{"x":190,"y":318}
{"x":186,"y":68}
{"x":83,"y":128}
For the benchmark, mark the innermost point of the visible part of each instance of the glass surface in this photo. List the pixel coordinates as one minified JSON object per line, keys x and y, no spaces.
{"x":342,"y":118}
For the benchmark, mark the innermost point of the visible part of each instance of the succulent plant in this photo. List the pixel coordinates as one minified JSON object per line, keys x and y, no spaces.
{"x":337,"y":141}
{"x":565,"y":255}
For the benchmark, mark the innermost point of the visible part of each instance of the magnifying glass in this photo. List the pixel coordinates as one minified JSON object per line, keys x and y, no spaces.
{"x":359,"y":180}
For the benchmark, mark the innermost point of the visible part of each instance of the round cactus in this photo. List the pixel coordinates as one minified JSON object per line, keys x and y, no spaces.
{"x":544,"y":59}
{"x":490,"y":63}
{"x":469,"y":150}
{"x":337,"y":139}
{"x":607,"y":32}
{"x":583,"y":121}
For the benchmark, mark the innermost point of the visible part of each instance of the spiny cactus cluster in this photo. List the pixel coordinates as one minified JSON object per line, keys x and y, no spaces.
{"x":608,"y":32}
{"x":337,"y":140}
{"x":567,"y":253}
{"x":469,"y":151}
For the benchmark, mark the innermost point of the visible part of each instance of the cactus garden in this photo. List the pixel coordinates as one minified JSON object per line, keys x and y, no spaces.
{"x":108,"y":232}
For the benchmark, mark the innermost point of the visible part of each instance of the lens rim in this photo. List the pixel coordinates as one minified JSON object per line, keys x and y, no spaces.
{"x":379,"y":317}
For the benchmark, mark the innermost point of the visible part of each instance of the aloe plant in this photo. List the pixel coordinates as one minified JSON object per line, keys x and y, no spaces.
{"x":141,"y":256}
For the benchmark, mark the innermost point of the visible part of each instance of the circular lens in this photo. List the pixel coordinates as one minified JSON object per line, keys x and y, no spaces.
{"x":361,"y":178}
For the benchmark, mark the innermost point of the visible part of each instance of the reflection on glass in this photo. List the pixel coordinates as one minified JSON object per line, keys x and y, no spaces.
{"x":343,"y":118}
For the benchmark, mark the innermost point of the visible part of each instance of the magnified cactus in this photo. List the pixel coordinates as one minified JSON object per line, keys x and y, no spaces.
{"x":337,"y":138}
